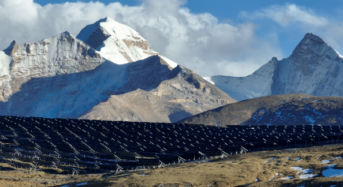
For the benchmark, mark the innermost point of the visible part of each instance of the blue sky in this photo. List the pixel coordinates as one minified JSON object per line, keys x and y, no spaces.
{"x":214,"y":37}
{"x":228,"y":9}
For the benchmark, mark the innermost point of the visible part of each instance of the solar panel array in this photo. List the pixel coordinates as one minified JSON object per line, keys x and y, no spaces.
{"x":99,"y":146}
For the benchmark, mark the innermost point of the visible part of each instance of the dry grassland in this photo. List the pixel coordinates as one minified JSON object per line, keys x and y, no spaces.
{"x":236,"y":170}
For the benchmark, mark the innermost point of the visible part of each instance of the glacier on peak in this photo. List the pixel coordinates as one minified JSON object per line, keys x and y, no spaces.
{"x":117,"y":42}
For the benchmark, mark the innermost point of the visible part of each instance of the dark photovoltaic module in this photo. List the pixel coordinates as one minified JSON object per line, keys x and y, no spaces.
{"x":102,"y":146}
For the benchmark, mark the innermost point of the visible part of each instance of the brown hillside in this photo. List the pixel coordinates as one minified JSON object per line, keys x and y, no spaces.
{"x":289,"y":109}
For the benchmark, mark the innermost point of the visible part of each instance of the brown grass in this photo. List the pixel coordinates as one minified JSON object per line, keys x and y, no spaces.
{"x":235,"y":170}
{"x":267,"y":107}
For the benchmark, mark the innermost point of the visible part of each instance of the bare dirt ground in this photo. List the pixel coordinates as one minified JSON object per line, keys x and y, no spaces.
{"x":268,"y":167}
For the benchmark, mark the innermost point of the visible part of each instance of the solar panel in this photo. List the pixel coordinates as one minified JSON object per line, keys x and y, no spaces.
{"x":99,"y":146}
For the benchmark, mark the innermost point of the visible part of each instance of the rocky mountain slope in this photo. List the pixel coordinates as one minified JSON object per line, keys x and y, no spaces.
{"x":314,"y":68}
{"x":107,"y":72}
{"x":292,"y":109}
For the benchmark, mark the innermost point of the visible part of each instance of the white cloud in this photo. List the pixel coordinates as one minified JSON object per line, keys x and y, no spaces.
{"x":333,"y":35}
{"x":287,"y":14}
{"x":297,"y":19}
{"x":20,"y":11}
{"x":197,"y":41}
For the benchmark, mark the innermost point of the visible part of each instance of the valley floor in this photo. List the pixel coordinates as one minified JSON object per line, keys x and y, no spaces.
{"x":313,"y":166}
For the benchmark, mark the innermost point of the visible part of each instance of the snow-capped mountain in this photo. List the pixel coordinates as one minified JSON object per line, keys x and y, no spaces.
{"x":116,"y":42}
{"x":59,"y":55}
{"x":314,"y":68}
{"x":107,"y":72}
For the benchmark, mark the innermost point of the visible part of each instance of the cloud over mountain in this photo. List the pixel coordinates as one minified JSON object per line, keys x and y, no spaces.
{"x":287,"y":14}
{"x":197,"y":41}
{"x":298,"y":20}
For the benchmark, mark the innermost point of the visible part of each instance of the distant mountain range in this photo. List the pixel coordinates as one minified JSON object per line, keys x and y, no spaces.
{"x":107,"y":72}
{"x":314,"y":68}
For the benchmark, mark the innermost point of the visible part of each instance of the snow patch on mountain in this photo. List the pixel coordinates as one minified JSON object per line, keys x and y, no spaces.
{"x":5,"y":61}
{"x":120,"y":35}
{"x":255,"y":85}
{"x":117,"y":42}
{"x":340,"y":56}
{"x":171,"y":63}
{"x":61,"y":54}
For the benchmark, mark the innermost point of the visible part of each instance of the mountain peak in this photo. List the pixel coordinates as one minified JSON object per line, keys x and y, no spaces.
{"x":108,"y":19}
{"x":12,"y":48}
{"x":311,"y":36}
{"x":116,"y":42}
{"x":66,"y":33}
{"x":311,"y":40}
{"x":312,"y":44}
{"x":95,"y":34}
{"x":274,"y":59}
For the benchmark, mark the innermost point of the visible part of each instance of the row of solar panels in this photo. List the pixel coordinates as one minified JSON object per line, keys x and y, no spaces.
{"x":105,"y":144}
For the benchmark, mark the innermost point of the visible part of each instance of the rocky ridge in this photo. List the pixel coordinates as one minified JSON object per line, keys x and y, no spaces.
{"x":314,"y":68}
{"x":107,"y":72}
